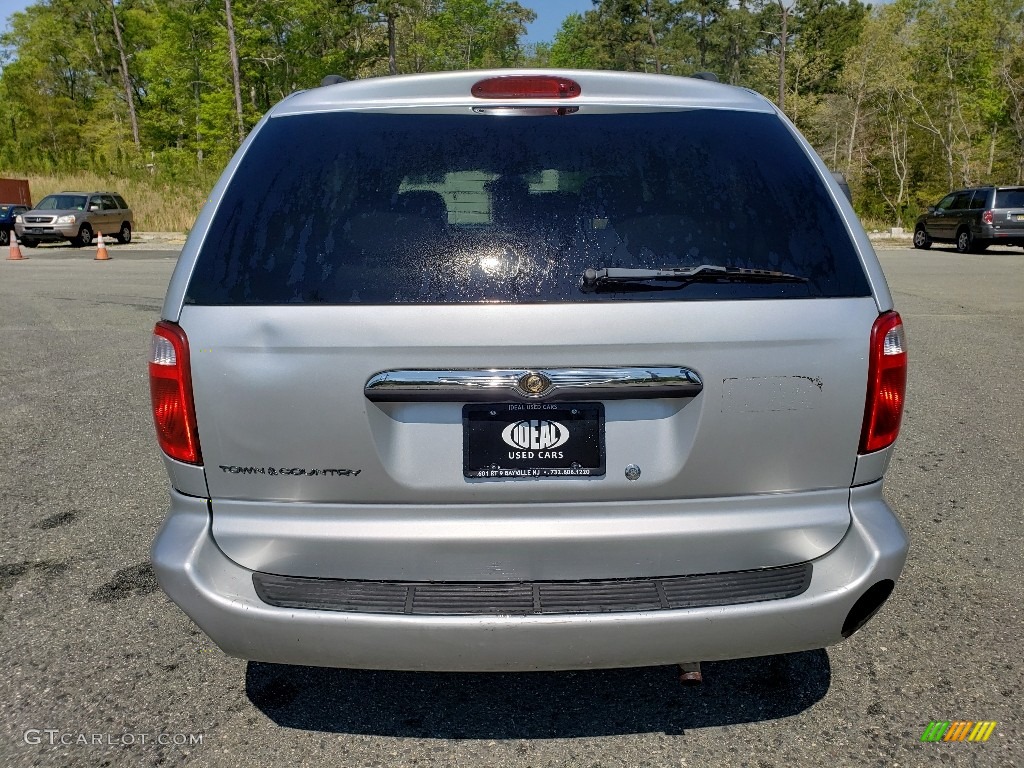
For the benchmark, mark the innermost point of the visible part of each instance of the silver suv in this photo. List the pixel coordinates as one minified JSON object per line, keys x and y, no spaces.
{"x":76,"y":217}
{"x":527,"y":370}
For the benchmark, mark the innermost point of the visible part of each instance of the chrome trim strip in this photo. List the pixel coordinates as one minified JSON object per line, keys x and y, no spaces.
{"x":475,"y":386}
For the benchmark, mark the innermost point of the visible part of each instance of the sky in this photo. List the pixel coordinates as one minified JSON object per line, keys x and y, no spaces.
{"x":549,"y":15}
{"x":7,"y":7}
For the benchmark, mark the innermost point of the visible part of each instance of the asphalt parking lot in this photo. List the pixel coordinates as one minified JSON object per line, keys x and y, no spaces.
{"x":94,"y":652}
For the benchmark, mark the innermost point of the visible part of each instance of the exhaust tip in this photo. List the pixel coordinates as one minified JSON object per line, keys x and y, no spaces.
{"x":867,"y":605}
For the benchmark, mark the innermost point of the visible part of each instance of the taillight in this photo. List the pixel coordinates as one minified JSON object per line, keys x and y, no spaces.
{"x":887,"y":383}
{"x":170,"y":384}
{"x":987,"y":217}
{"x":526,"y":87}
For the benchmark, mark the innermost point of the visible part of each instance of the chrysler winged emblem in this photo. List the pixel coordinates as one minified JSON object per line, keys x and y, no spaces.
{"x":534,"y":384}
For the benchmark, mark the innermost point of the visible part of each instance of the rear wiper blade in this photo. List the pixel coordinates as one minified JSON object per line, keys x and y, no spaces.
{"x":674,"y":277}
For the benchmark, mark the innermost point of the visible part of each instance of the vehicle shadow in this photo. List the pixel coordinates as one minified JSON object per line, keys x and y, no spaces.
{"x":536,"y":705}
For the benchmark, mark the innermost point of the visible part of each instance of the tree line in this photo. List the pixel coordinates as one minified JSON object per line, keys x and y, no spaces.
{"x":175,"y":85}
{"x":908,"y":99}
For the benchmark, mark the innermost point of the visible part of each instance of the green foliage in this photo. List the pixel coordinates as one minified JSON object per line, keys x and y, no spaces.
{"x":65,"y":106}
{"x":576,"y":43}
{"x":469,"y":34}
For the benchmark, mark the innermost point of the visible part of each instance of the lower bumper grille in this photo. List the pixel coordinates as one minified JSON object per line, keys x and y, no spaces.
{"x":539,"y":597}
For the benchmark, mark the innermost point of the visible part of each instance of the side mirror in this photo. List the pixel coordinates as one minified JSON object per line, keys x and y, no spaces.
{"x":931,"y":209}
{"x":94,"y":207}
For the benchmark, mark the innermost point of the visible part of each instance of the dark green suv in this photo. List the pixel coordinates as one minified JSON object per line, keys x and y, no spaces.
{"x":973,"y":219}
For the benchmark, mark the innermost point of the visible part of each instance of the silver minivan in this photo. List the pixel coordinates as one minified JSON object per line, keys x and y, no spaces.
{"x":523,"y":370}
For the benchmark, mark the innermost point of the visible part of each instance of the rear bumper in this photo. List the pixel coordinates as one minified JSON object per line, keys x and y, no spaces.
{"x":1001,"y":234}
{"x":220,"y":597}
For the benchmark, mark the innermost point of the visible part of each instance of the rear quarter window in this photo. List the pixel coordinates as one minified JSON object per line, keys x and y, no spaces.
{"x":343,"y":208}
{"x":1009,"y":198}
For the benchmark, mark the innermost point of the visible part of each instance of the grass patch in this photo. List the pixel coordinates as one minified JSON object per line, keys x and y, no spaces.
{"x":872,"y":224}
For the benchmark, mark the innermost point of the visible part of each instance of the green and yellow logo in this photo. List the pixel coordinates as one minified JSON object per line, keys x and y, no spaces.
{"x":959,"y":730}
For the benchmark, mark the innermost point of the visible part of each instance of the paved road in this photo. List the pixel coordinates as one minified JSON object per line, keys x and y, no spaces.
{"x":92,"y":647}
{"x":144,"y":246}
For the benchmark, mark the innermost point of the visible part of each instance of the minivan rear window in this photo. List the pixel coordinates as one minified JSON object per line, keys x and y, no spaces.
{"x":357,"y":208}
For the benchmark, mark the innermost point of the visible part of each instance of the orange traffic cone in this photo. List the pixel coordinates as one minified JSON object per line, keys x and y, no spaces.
{"x":14,"y":254}
{"x":101,"y":250}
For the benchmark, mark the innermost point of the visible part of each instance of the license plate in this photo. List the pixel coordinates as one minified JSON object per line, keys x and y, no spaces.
{"x":520,"y":440}
{"x":1019,"y":217}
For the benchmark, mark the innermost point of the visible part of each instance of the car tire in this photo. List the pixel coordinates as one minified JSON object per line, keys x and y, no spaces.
{"x":28,"y":242}
{"x":5,"y":237}
{"x":921,"y":239}
{"x":964,"y":241}
{"x":84,"y":238}
{"x":124,"y":235}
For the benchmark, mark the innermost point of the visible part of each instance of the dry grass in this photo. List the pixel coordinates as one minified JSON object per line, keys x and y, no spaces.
{"x":156,"y":207}
{"x":874,"y":224}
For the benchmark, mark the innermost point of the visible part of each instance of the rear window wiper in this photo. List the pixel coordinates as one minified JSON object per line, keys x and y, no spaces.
{"x":669,"y":278}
